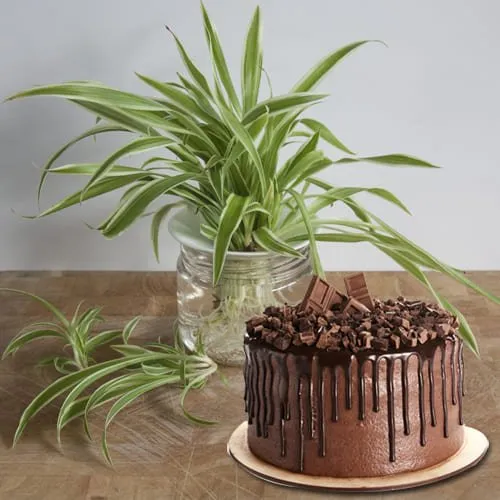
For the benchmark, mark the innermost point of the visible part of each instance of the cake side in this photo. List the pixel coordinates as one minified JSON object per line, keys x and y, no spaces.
{"x":354,"y":415}
{"x":354,"y":392}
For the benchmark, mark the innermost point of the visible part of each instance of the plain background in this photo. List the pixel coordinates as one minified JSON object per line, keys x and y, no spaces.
{"x":433,"y":93}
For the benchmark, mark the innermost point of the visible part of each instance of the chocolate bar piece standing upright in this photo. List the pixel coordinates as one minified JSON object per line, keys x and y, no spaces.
{"x":356,"y":287}
{"x":318,"y":296}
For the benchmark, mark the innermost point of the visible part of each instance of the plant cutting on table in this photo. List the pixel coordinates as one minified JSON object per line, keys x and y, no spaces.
{"x":87,"y":385}
{"x":221,"y":154}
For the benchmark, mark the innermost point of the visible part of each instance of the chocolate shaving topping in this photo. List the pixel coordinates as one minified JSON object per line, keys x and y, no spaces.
{"x":350,"y":326}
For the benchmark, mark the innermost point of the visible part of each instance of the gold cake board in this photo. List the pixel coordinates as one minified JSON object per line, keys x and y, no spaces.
{"x":473,"y":450}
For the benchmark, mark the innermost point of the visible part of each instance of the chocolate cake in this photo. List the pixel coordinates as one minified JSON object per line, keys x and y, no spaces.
{"x":347,"y":386}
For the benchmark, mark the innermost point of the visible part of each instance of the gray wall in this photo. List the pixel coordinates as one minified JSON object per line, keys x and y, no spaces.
{"x":433,"y":93}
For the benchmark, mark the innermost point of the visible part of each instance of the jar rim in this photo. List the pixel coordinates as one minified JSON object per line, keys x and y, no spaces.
{"x":184,"y":226}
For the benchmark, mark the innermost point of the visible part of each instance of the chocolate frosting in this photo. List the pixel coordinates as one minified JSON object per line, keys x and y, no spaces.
{"x":352,"y":415}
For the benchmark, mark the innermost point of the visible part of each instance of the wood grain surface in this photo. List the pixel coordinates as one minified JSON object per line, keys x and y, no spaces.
{"x":157,"y":454}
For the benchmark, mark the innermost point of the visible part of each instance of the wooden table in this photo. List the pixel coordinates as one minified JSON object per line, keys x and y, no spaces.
{"x":157,"y":454}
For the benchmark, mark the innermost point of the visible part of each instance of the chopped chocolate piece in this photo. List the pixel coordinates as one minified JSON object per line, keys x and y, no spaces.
{"x":380,"y":344}
{"x":283,"y":342}
{"x":258,"y":329}
{"x":329,"y":315}
{"x":318,"y":296}
{"x":423,"y":335}
{"x":402,"y":332}
{"x":366,"y":339}
{"x":442,"y":329}
{"x":395,"y":341}
{"x":345,"y":329}
{"x":271,"y":311}
{"x":307,"y":337}
{"x":382,"y":332}
{"x":323,"y":340}
{"x":257,"y":320}
{"x":322,"y":321}
{"x":433,"y":334}
{"x":354,"y":305}
{"x":269,"y":335}
{"x":409,"y":341}
{"x":366,"y":324}
{"x":397,"y":321}
{"x":304,"y":325}
{"x":356,"y":287}
{"x":275,"y":322}
{"x":296,"y":339}
{"x":405,"y":324}
{"x":345,"y":342}
{"x":333,"y":329}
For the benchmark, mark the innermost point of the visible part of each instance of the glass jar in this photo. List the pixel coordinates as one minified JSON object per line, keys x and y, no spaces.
{"x":250,"y":282}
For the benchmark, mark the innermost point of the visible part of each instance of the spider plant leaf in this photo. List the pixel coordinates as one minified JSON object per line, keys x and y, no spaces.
{"x":326,"y":134}
{"x":101,"y":339}
{"x":302,"y":173}
{"x":25,"y":338}
{"x":81,"y":385}
{"x":97,"y":94}
{"x":243,"y":136}
{"x":435,"y":263}
{"x":230,"y":220}
{"x":122,"y":117}
{"x":176,"y":96}
{"x":92,"y":132}
{"x":134,"y":207}
{"x":197,"y":383}
{"x":140,"y":145}
{"x":398,"y":160}
{"x":316,"y":262}
{"x":332,"y":237}
{"x":101,"y":187}
{"x":269,"y":241}
{"x":128,"y":350}
{"x":91,"y":168}
{"x":128,"y":398}
{"x":465,"y":331}
{"x":129,"y":328}
{"x":343,"y":193}
{"x":251,"y":70}
{"x":280,"y":104}
{"x":319,"y":71}
{"x":219,"y":61}
{"x":65,"y":366}
{"x":50,"y":307}
{"x":159,"y":216}
{"x":195,"y":73}
{"x":208,"y":232}
{"x":65,"y":383}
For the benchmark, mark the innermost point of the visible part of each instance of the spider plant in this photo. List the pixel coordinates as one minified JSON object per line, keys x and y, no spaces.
{"x":74,"y":333}
{"x":87,"y":385}
{"x":222,"y":153}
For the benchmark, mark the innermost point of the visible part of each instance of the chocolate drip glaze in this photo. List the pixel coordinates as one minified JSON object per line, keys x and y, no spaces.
{"x":267,"y":385}
{"x":460,"y":388}
{"x":443,"y":390}
{"x":453,"y":376}
{"x":391,"y":421}
{"x":335,"y":394}
{"x":421,"y":401}
{"x":430,"y":366}
{"x":404,"y":385}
